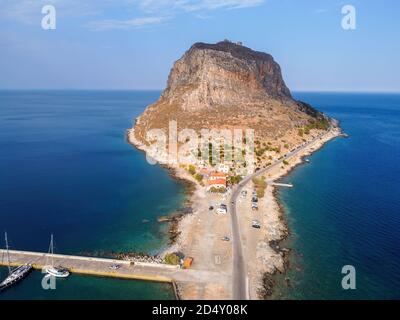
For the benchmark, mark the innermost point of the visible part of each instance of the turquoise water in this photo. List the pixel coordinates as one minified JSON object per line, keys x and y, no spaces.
{"x":65,"y":168}
{"x":345,"y":206}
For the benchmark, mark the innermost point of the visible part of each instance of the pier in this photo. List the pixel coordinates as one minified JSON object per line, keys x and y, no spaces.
{"x":101,"y":267}
{"x":287,"y":185}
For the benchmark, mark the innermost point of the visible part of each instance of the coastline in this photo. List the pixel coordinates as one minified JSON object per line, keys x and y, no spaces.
{"x":263,"y":249}
{"x":267,"y":281}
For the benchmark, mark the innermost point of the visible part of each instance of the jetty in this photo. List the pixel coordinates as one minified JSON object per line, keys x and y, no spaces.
{"x":287,"y":185}
{"x":93,"y":266}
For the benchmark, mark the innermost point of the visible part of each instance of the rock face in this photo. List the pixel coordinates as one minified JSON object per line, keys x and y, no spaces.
{"x":226,"y":85}
{"x":223,"y":74}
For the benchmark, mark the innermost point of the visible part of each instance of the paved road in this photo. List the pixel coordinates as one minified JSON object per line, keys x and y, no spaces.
{"x":240,"y":290}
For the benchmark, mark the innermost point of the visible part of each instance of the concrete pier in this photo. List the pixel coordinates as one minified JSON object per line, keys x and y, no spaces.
{"x":101,"y":267}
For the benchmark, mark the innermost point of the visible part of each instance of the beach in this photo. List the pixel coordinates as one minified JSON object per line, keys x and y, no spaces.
{"x":199,"y":234}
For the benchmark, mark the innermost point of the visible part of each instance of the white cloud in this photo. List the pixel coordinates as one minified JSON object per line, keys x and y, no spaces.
{"x":196,"y":5}
{"x":102,"y":25}
{"x":322,"y":10}
{"x":131,"y":13}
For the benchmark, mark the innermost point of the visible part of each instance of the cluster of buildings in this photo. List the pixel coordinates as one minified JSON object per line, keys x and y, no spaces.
{"x":216,"y":179}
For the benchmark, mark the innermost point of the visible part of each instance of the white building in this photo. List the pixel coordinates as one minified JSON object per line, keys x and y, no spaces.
{"x":224,"y":168}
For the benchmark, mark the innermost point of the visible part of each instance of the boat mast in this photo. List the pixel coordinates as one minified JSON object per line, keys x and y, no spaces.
{"x":8,"y":253}
{"x":52,"y":250}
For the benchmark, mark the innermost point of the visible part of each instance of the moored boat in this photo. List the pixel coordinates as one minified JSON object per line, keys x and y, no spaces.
{"x":14,"y":275}
{"x":56,"y":271}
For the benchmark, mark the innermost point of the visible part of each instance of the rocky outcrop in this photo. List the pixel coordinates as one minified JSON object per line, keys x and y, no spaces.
{"x":226,"y":85}
{"x":223,"y":74}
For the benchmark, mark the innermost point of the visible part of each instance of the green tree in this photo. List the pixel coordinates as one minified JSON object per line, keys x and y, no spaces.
{"x":171,"y":258}
{"x":192,"y":169}
{"x":198,"y":177}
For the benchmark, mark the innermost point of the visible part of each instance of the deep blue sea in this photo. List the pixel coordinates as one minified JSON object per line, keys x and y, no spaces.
{"x":65,"y":168}
{"x":345,"y":206}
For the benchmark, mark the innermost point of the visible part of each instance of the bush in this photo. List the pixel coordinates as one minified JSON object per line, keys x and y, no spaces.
{"x":192,"y":169}
{"x":260,"y":192}
{"x":285,"y":162}
{"x":235,"y":179}
{"x":260,"y":184}
{"x":217,"y":190}
{"x":300,"y":132}
{"x":198,"y":177}
{"x":171,"y":258}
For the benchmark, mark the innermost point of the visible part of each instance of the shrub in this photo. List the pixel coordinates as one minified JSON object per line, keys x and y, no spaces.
{"x":171,"y":258}
{"x":260,"y":192}
{"x":192,"y":169}
{"x":198,"y":177}
{"x":260,"y":184}
{"x":217,"y":190}
{"x":235,"y":179}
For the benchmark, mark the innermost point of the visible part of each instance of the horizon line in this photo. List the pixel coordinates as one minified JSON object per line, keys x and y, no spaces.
{"x":157,"y":89}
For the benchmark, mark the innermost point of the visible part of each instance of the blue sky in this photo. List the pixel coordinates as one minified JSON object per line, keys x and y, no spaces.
{"x":132,"y":44}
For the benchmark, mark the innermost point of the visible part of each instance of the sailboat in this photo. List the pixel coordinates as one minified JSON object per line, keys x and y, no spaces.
{"x":14,"y":275}
{"x":56,"y":271}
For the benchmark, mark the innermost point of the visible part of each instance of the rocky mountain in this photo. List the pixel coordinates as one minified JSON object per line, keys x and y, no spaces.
{"x":227,"y":85}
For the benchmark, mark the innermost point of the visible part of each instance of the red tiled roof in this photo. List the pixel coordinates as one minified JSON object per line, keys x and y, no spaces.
{"x":217,"y":181}
{"x":218,"y":174}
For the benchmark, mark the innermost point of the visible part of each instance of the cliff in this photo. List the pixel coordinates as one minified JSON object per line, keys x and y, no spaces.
{"x":226,"y":85}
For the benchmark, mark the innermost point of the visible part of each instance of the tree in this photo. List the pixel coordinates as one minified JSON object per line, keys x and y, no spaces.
{"x":192,"y":169}
{"x":235,"y":179}
{"x":172,"y":258}
{"x":198,"y":177}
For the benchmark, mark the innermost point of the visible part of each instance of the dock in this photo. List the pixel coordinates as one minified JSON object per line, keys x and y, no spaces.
{"x":93,"y":266}
{"x":287,"y":185}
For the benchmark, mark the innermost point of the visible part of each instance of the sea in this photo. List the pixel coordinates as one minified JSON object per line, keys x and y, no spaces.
{"x":67,"y":169}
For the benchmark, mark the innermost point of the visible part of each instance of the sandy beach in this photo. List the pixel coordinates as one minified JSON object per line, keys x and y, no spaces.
{"x":200,"y":233}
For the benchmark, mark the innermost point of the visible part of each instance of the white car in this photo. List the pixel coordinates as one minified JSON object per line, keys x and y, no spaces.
{"x":256,"y":224}
{"x":114,"y":266}
{"x":222,"y":209}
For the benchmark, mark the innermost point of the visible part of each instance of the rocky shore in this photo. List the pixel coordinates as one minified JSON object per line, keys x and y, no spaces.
{"x":266,"y":256}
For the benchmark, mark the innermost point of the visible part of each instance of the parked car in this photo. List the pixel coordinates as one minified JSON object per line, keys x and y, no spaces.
{"x":225,"y":238}
{"x":256,"y":224}
{"x":114,"y":266}
{"x":222,"y":209}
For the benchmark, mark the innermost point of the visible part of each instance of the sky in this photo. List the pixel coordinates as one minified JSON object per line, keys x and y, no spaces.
{"x":132,"y":44}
